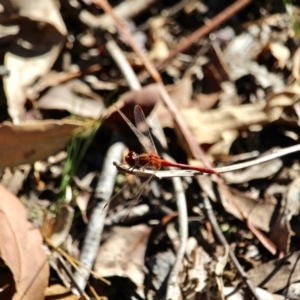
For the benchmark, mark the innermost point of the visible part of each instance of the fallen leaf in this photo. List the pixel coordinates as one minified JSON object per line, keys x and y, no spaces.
{"x":75,"y":97}
{"x":281,"y":53}
{"x":19,"y":240}
{"x":54,"y":78}
{"x":123,"y":253}
{"x":62,"y":225}
{"x":281,"y":233}
{"x":158,"y":33}
{"x":208,"y":126}
{"x":32,"y":55}
{"x":259,"y":212}
{"x":277,"y":274}
{"x":35,"y":140}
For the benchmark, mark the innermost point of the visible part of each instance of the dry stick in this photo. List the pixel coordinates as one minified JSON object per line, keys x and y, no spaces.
{"x":103,"y":194}
{"x":222,"y":239}
{"x":276,"y":153}
{"x":189,"y":173}
{"x":125,"y":68}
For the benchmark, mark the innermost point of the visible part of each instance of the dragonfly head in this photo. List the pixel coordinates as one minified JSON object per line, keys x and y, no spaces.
{"x":132,"y":159}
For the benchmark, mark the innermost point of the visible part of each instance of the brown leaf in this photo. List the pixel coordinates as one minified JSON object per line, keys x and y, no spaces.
{"x":276,"y":274}
{"x":281,"y":233}
{"x":21,"y":249}
{"x":259,"y":212}
{"x":35,"y":140}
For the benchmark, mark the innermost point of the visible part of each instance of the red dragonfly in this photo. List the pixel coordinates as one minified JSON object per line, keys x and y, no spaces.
{"x":151,"y":159}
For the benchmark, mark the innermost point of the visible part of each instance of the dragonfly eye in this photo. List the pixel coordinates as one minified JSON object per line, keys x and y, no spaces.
{"x":132,"y":159}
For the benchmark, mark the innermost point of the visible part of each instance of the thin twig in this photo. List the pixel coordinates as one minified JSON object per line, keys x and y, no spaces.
{"x":157,"y":174}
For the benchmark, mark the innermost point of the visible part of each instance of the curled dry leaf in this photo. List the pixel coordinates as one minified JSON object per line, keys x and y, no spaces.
{"x":35,"y":140}
{"x":33,"y":53}
{"x":290,"y":208}
{"x":62,"y":225}
{"x":21,"y":249}
{"x":75,"y":97}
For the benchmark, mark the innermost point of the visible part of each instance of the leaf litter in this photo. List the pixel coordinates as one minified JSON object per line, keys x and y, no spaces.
{"x":232,"y":89}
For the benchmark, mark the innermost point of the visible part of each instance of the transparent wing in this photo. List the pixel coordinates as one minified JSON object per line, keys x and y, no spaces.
{"x":141,"y":131}
{"x":143,"y":128}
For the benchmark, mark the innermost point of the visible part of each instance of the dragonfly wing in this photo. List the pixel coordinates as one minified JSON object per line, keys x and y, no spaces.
{"x":143,"y":128}
{"x":145,"y":140}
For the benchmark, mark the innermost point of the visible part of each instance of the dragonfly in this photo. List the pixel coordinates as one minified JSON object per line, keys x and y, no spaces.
{"x":150,"y":159}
